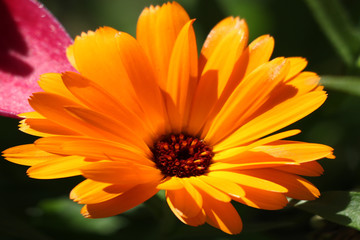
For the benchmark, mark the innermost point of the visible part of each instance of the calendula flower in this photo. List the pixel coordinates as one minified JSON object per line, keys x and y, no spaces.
{"x":146,"y":114}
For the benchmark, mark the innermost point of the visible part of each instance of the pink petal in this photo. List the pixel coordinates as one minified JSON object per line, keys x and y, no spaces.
{"x":32,"y":42}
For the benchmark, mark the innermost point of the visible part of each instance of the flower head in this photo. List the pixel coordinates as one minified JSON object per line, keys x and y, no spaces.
{"x":146,"y":114}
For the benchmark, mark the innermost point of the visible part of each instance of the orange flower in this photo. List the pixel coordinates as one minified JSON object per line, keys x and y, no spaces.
{"x":147,"y":114}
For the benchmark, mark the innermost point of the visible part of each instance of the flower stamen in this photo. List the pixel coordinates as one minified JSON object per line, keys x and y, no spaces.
{"x":182,"y":156}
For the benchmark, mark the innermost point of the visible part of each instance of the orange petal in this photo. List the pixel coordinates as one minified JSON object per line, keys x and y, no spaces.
{"x":120,"y":204}
{"x":95,"y":125}
{"x":93,"y":149}
{"x":224,"y":68}
{"x":245,"y":179}
{"x":53,"y":83}
{"x":237,"y":150}
{"x":297,"y":64}
{"x":260,"y":51}
{"x":305,"y":82}
{"x":224,"y":185}
{"x":301,"y":84}
{"x":186,"y":202}
{"x":98,"y":99}
{"x":262,"y":199}
{"x":222,"y":215}
{"x":26,"y":129}
{"x":44,"y":127}
{"x":257,"y":53}
{"x":298,"y":151}
{"x":251,"y":157}
{"x":171,"y":183}
{"x":297,"y":187}
{"x":249,"y":95}
{"x":70,"y":56}
{"x":51,"y":106}
{"x":216,"y":36}
{"x":311,"y":169}
{"x":182,"y":76}
{"x":28,"y":155}
{"x":157,"y":30}
{"x":90,"y":192}
{"x":209,"y":189}
{"x":31,"y":115}
{"x":250,"y":160}
{"x":276,"y":118}
{"x":141,"y":74}
{"x":121,"y":172}
{"x":40,"y":126}
{"x":199,"y":219}
{"x":97,"y":58}
{"x":58,"y":168}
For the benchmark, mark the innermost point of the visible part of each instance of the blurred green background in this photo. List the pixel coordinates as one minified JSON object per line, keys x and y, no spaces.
{"x":41,"y":210}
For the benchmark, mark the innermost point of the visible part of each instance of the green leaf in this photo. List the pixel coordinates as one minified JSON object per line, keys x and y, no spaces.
{"x":340,"y":207}
{"x":347,"y":84}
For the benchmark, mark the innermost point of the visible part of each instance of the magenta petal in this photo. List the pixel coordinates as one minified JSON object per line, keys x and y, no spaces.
{"x":32,"y":42}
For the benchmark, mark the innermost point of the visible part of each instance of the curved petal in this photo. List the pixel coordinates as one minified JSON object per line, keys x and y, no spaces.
{"x":171,"y":183}
{"x":222,"y":215}
{"x":141,"y":74}
{"x":249,"y":95}
{"x":251,"y":157}
{"x":276,"y":118}
{"x":186,"y":202}
{"x":53,"y":83}
{"x":43,"y":128}
{"x":85,"y":121}
{"x":58,"y":168}
{"x":305,"y":82}
{"x":97,"y":58}
{"x":251,"y":160}
{"x":182,"y":76}
{"x":90,"y":192}
{"x":311,"y":169}
{"x":244,"y":179}
{"x":195,"y":221}
{"x":107,"y":127}
{"x":301,"y":84}
{"x":297,"y":64}
{"x":262,"y":199}
{"x":121,"y":172}
{"x":298,"y":151}
{"x":297,"y":187}
{"x":51,"y":106}
{"x":112,"y":59}
{"x":28,"y":155}
{"x":224,"y":185}
{"x":94,"y":149}
{"x":201,"y":185}
{"x":98,"y":99}
{"x":256,"y":54}
{"x":33,"y":42}
{"x":157,"y":30}
{"x":121,"y":203}
{"x":216,"y":36}
{"x":237,"y":150}
{"x":224,"y":68}
{"x":260,"y":51}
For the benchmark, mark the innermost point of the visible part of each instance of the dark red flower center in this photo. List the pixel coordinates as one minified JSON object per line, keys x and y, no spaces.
{"x":182,"y":156}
